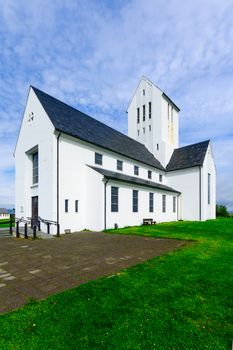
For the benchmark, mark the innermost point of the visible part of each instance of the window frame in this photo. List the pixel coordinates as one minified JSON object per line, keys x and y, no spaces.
{"x":119,"y":165}
{"x":136,"y":170}
{"x":35,"y":169}
{"x":144,"y":112}
{"x":98,"y":158}
{"x":160,"y":177}
{"x":135,"y":201}
{"x":151,"y":202}
{"x":164,"y":203}
{"x":76,"y":205}
{"x":138,"y":115}
{"x":66,"y":205}
{"x":150,"y":110}
{"x":149,"y":174}
{"x":114,"y":199}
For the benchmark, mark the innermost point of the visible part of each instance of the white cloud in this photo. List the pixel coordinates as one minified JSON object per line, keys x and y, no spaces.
{"x":92,"y":54}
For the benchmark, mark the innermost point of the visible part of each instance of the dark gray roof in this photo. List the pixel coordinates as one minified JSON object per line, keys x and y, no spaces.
{"x":132,"y":179}
{"x":75,"y":123}
{"x":188,"y":156}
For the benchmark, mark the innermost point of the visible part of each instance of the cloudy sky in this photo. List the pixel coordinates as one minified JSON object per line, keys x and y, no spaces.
{"x":91,"y":54}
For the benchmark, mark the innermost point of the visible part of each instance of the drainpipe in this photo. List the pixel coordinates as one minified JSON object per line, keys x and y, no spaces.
{"x":58,"y":224}
{"x":200,"y":199}
{"x":105,"y":203}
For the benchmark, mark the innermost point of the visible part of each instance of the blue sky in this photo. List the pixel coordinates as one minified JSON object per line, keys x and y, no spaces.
{"x":91,"y":54}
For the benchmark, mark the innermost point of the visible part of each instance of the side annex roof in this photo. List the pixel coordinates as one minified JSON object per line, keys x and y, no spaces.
{"x":71,"y":121}
{"x":132,"y":179}
{"x":188,"y":156}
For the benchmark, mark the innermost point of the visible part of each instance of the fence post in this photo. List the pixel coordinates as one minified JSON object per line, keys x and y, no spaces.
{"x":11,"y":225}
{"x":26,"y":231}
{"x":39,"y":226}
{"x":48,"y":227}
{"x":58,"y":230}
{"x":17,"y":229}
{"x":34,"y":232}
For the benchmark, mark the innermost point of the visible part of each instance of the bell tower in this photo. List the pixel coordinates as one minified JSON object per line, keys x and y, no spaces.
{"x":153,"y":120}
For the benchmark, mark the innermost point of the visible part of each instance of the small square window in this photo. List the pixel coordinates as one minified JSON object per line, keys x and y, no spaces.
{"x":119,"y":165}
{"x":136,"y":170}
{"x":98,"y":158}
{"x":160,"y":178}
{"x":149,"y":174}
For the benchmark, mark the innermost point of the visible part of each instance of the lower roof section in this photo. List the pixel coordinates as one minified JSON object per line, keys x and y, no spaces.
{"x":132,"y":179}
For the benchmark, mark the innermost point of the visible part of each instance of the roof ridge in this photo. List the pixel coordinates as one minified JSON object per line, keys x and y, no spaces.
{"x":193,"y":144}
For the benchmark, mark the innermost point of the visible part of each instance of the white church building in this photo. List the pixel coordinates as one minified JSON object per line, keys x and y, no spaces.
{"x":78,"y":172}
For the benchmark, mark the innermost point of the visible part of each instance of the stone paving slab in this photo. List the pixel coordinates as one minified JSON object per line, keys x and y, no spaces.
{"x":37,"y":269}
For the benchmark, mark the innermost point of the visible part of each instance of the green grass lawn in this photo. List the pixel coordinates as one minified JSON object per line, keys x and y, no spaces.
{"x":180,"y":301}
{"x":5,"y":223}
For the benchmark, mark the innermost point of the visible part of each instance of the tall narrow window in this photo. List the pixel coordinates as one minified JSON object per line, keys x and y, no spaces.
{"x":66,"y":205}
{"x":157,"y":146}
{"x":149,"y":174}
{"x":119,"y":165}
{"x":151,"y":202}
{"x":135,"y":201}
{"x":174,"y":204}
{"x":144,"y":112}
{"x":208,"y":188}
{"x":35,"y":173}
{"x":114,"y":199}
{"x":164,"y":203}
{"x":149,"y":127}
{"x":144,"y":130}
{"x":76,"y":206}
{"x":172,"y":115}
{"x":138,"y":132}
{"x":144,"y":92}
{"x":160,"y":177}
{"x":149,"y":110}
{"x":98,"y":158}
{"x":136,"y":170}
{"x":168,"y":111}
{"x":138,"y":115}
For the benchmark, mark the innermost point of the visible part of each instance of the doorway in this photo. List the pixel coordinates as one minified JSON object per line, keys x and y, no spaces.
{"x":34,"y":210}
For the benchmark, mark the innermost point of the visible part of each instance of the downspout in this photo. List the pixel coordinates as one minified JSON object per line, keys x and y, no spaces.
{"x":105,"y":203}
{"x":200,"y":199}
{"x":58,"y":224}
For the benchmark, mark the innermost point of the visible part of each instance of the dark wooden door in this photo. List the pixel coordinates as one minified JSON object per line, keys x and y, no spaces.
{"x":34,"y":210}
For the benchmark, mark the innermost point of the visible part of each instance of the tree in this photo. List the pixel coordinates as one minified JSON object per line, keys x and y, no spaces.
{"x":221,"y":211}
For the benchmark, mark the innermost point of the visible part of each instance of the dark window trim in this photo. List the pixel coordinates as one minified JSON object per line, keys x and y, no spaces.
{"x":66,"y":205}
{"x":119,"y":165}
{"x":135,"y":201}
{"x":98,"y":158}
{"x":114,"y":199}
{"x":151,"y":202}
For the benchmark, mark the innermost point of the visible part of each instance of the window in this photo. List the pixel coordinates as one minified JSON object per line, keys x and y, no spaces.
{"x":149,"y":127}
{"x":144,"y":92}
{"x":172,"y":114}
{"x":143,"y":130}
{"x":119,"y":165}
{"x":135,"y":201}
{"x":98,"y":158}
{"x":174,"y":204}
{"x":168,"y":111}
{"x":35,"y":174}
{"x":114,"y":199}
{"x":157,"y":146}
{"x":144,"y":112}
{"x":76,"y":206}
{"x":160,"y":178}
{"x":138,"y":115}
{"x":136,"y":170}
{"x":138,"y":132}
{"x":151,"y":202}
{"x":164,"y":203}
{"x":149,"y":174}
{"x":149,"y":110}
{"x":208,"y":188}
{"x":66,"y":205}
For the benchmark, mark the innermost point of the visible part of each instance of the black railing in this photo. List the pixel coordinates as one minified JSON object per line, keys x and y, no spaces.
{"x":7,"y":225}
{"x":34,"y":225}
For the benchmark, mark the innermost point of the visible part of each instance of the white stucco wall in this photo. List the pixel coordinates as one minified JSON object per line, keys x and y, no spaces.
{"x":38,"y":132}
{"x":187,"y":182}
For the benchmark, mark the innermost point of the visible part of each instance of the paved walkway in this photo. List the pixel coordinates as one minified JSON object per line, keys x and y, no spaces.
{"x":36,"y":269}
